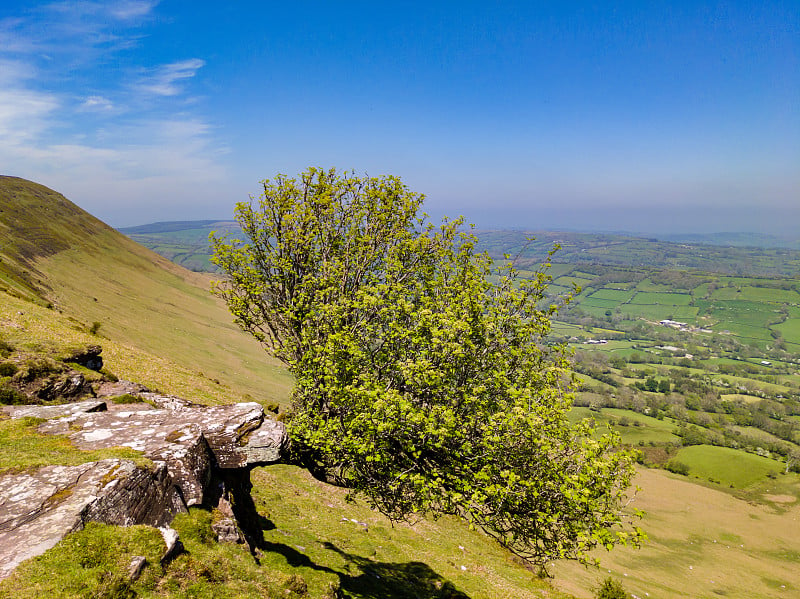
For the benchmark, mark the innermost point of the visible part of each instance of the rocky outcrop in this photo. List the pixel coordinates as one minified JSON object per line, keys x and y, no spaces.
{"x":37,"y":509}
{"x":200,"y":456}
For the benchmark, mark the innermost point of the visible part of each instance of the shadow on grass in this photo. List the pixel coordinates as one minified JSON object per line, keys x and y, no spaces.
{"x":374,"y":579}
{"x":371,"y":579}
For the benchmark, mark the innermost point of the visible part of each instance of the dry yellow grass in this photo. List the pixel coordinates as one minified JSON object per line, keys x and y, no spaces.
{"x":145,"y":302}
{"x":703,"y":543}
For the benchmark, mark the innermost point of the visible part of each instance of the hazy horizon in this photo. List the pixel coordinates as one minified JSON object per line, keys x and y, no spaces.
{"x":677,"y":118}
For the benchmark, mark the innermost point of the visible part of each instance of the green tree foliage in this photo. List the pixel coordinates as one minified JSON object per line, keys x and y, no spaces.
{"x":423,"y":379}
{"x":611,"y":589}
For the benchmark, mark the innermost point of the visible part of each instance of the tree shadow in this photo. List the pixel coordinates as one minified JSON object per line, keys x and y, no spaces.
{"x":362,"y":577}
{"x":373,"y":579}
{"x":393,"y":579}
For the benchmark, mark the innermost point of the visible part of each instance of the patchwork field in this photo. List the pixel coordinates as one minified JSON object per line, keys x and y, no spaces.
{"x":755,"y":310}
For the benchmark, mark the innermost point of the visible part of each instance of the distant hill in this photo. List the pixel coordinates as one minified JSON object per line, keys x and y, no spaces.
{"x":752,"y":240}
{"x":186,"y":243}
{"x":167,"y":226}
{"x":639,"y":252}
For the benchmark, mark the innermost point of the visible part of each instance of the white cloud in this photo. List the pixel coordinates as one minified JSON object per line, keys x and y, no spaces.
{"x":23,"y":114}
{"x":130,"y":9}
{"x":111,"y":151}
{"x":97,"y":104}
{"x":71,"y":11}
{"x":163,"y":81}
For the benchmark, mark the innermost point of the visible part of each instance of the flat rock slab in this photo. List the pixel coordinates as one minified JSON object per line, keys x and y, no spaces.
{"x":238,"y":435}
{"x":59,"y":411}
{"x":37,"y":509}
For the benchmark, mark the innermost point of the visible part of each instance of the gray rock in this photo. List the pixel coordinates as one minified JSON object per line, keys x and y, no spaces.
{"x":173,"y":543}
{"x":185,"y":441}
{"x":38,"y":509}
{"x":138,"y":562}
{"x":227,"y":531}
{"x":59,"y":411}
{"x":120,"y":387}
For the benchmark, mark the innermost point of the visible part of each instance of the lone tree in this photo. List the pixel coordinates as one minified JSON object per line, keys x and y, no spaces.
{"x":424,"y":381}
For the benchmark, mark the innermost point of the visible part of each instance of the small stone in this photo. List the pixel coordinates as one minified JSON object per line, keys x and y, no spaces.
{"x":136,"y":567}
{"x":173,"y":543}
{"x":227,"y":531}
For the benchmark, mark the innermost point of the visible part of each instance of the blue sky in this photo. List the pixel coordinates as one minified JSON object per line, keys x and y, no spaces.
{"x":637,"y":116}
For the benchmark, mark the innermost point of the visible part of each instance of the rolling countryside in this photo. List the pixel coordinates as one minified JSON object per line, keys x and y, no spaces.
{"x":724,"y":348}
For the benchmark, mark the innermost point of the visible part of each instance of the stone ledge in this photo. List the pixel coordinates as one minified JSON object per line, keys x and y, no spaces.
{"x":187,"y":443}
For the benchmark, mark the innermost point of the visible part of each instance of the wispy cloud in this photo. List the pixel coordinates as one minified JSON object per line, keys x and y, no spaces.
{"x":78,"y":30}
{"x":24,"y":114}
{"x":164,"y":80}
{"x":97,"y":104}
{"x":101,"y":139}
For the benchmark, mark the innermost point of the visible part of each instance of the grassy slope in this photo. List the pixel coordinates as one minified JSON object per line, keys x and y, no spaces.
{"x":54,"y":250}
{"x":147,"y":302}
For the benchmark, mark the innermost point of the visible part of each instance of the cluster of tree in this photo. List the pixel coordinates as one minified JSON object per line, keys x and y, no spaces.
{"x":654,"y":386}
{"x":679,"y":279}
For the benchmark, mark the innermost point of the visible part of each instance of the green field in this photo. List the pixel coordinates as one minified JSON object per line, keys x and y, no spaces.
{"x":726,"y":465}
{"x":648,"y":311}
{"x":662,"y":299}
{"x":596,"y":302}
{"x":618,"y":295}
{"x":647,"y":285}
{"x":569,"y":281}
{"x":757,"y":294}
{"x":631,"y":426}
{"x":790,"y":329}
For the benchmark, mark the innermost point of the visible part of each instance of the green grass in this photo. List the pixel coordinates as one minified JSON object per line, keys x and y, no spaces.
{"x":736,"y":549}
{"x":634,"y":428}
{"x":90,"y":563}
{"x":648,"y":286}
{"x":558,"y":269}
{"x":756,"y":294}
{"x":23,"y":448}
{"x":741,"y":311}
{"x":790,"y":329}
{"x":32,"y":328}
{"x":648,"y":311}
{"x":662,"y":299}
{"x":314,"y":531}
{"x":568,"y":281}
{"x":564,"y":329}
{"x":617,"y":295}
{"x":144,"y":301}
{"x":557,"y":290}
{"x":745,"y":331}
{"x":726,"y":465}
{"x":596,"y":311}
{"x":595,"y":302}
